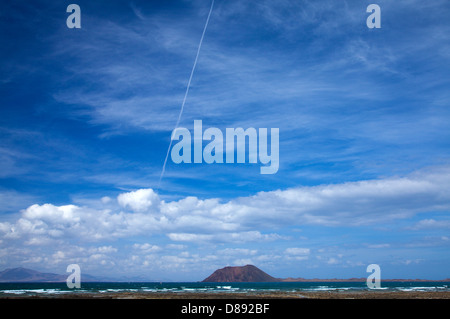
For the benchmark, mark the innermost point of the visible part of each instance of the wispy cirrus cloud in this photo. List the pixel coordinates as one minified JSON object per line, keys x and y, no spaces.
{"x":430,"y":224}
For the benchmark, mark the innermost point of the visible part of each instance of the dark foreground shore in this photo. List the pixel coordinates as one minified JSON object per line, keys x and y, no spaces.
{"x":254,"y":295}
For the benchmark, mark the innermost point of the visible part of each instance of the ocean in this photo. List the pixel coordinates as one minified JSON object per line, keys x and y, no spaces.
{"x":40,"y":289}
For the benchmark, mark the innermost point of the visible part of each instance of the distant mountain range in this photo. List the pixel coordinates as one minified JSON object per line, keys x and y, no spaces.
{"x":28,"y":275}
{"x":21,"y":274}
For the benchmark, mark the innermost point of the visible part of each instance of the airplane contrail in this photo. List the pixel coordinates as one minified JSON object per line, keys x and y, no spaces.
{"x":186,"y":93}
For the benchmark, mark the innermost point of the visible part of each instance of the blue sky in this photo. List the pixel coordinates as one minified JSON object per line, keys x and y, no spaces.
{"x":86,"y":117}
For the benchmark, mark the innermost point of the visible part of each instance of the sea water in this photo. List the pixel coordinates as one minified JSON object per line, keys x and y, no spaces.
{"x":41,"y":289}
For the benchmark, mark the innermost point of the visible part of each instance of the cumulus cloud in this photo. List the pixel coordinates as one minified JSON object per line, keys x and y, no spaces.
{"x":140,"y":200}
{"x":244,"y":219}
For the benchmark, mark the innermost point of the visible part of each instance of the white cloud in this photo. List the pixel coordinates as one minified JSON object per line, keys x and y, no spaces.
{"x":52,"y":214}
{"x":105,"y":199}
{"x":189,"y":237}
{"x":379,"y":246}
{"x":431,"y":224}
{"x":147,"y":248}
{"x":38,"y":241}
{"x":332,"y":261}
{"x":238,"y":251}
{"x":297,"y":251}
{"x":104,"y":249}
{"x":411,"y":261}
{"x":238,"y":220}
{"x":176,"y":246}
{"x":428,"y":241}
{"x":243,"y":261}
{"x":140,"y":200}
{"x":234,"y":237}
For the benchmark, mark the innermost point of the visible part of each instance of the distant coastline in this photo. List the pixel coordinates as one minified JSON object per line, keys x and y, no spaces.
{"x":359,"y":280}
{"x":248,"y":273}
